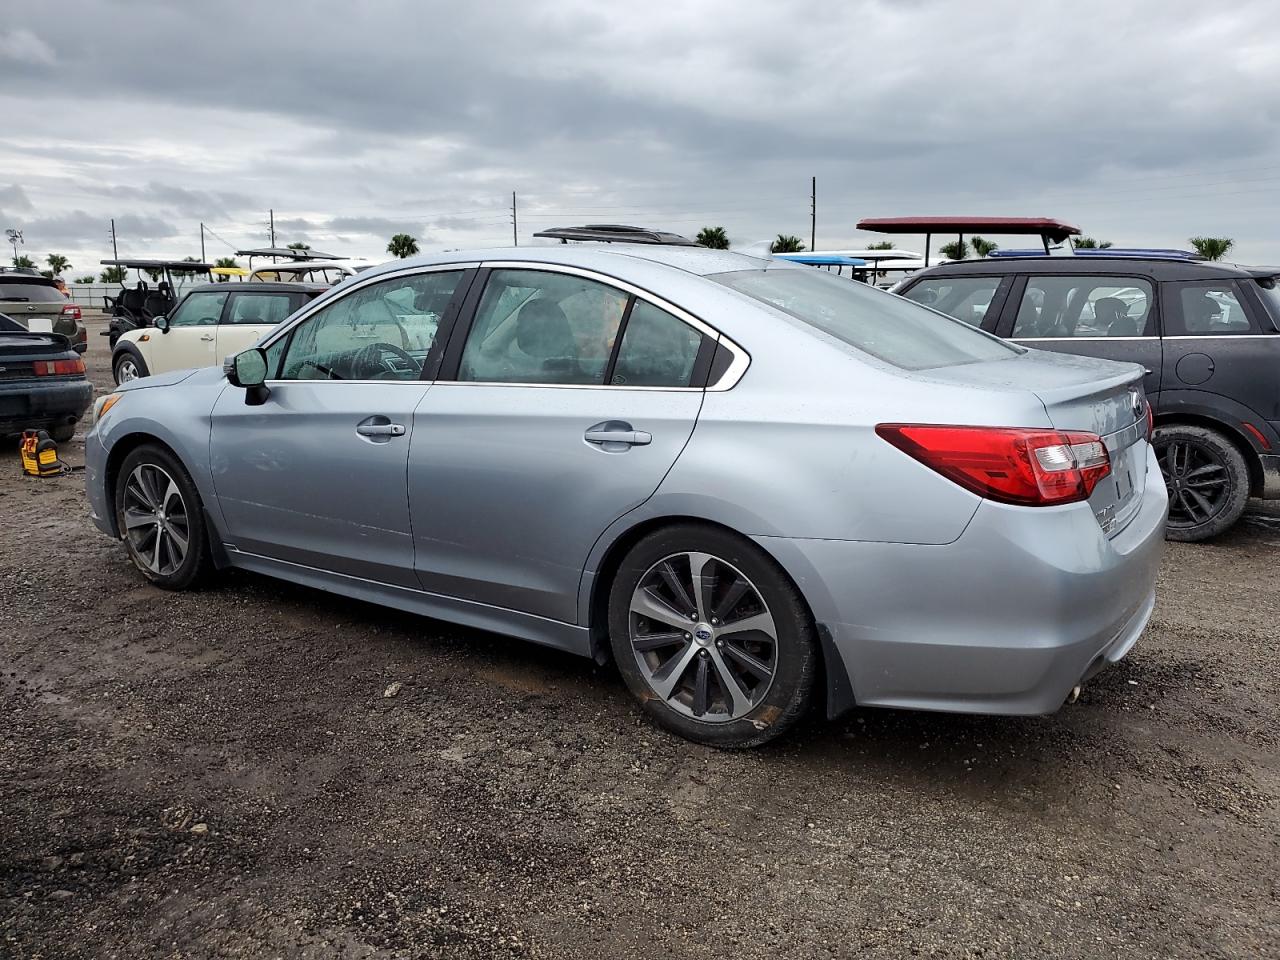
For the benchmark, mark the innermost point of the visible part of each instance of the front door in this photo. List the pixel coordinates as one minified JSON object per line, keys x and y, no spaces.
{"x":191,"y":339}
{"x":315,"y":475}
{"x":1111,"y":317}
{"x":562,"y":409}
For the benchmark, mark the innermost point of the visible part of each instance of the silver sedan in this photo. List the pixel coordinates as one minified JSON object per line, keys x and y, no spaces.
{"x":752,"y":484}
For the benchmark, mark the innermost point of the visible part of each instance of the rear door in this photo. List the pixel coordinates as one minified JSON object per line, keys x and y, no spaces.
{"x":250,"y":316}
{"x":562,"y":406}
{"x":35,"y":303}
{"x":1114,"y":317}
{"x":191,"y":338}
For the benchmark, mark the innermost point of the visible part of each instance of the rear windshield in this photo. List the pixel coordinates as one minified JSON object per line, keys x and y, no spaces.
{"x":886,"y":326}
{"x":29,"y":292}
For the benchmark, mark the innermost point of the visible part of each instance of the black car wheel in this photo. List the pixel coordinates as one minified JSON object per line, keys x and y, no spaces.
{"x":62,"y":432}
{"x":711,"y":637}
{"x":1207,"y":479}
{"x":161,"y":519}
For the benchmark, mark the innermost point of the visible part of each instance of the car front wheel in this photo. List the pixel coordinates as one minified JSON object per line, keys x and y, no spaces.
{"x":711,"y":637}
{"x":128,"y":367}
{"x":161,"y":519}
{"x":1207,"y":479}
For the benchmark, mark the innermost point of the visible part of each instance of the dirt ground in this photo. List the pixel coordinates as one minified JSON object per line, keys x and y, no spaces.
{"x":220,"y":774}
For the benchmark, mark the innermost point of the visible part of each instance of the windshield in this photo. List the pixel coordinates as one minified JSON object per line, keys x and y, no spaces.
{"x":36,"y":292}
{"x":888,"y":327}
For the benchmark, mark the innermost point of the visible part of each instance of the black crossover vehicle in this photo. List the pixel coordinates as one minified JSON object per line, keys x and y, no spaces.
{"x":1207,"y":333}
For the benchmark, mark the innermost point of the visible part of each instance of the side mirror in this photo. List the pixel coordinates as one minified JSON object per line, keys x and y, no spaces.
{"x":248,"y":369}
{"x":161,"y":323}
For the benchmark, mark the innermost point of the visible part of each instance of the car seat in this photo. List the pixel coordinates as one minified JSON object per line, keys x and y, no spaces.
{"x":1110,"y":315}
{"x":543,"y":334}
{"x":1200,"y":312}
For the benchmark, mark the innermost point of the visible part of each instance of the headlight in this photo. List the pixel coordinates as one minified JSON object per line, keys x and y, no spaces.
{"x":102,"y":405}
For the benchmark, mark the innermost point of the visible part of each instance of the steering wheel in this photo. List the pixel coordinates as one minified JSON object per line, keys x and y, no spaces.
{"x":367,"y":356}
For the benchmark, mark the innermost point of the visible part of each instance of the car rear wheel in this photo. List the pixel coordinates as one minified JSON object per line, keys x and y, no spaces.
{"x":161,"y":519}
{"x":127,"y":367}
{"x":711,"y":637}
{"x":62,"y":432}
{"x":1207,"y":479}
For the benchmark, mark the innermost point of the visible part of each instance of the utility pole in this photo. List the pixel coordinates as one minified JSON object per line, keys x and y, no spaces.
{"x":202,"y":259}
{"x":115,"y":254}
{"x":271,"y":214}
{"x":813,"y":216}
{"x":515,"y":236}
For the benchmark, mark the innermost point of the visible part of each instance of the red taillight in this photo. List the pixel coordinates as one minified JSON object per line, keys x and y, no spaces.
{"x":71,"y":312}
{"x":58,"y":368}
{"x":1026,"y":466}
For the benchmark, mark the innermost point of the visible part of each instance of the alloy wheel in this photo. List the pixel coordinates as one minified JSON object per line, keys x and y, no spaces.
{"x":1198,"y":482}
{"x":703,"y":637}
{"x":156,"y":521}
{"x":126,"y":371}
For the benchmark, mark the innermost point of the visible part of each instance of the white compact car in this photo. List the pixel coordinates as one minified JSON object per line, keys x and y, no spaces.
{"x":212,"y":321}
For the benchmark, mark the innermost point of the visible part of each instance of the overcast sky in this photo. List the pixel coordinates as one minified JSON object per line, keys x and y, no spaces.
{"x":1142,"y":122}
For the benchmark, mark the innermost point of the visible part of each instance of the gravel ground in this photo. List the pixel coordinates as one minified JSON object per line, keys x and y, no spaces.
{"x":223,"y":773}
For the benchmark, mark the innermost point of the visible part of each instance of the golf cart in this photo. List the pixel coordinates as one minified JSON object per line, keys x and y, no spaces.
{"x":139,"y":305}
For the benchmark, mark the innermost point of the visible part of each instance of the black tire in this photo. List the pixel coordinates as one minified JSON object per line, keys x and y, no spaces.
{"x":775,"y":705}
{"x":122,"y":361}
{"x":196,"y":560}
{"x":62,"y":432}
{"x":1207,"y":479}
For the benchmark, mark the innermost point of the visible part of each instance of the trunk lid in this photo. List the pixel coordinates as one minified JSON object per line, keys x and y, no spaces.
{"x":20,"y":351}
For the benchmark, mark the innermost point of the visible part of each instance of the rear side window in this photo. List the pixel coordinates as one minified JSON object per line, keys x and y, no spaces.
{"x":263,"y":308}
{"x":1207,"y":309}
{"x":1058,"y":307}
{"x":965,"y":298}
{"x":658,"y":350}
{"x":881,"y":324}
{"x":29,"y":292}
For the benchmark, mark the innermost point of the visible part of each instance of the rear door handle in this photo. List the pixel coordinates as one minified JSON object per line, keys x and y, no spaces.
{"x":613,"y":435}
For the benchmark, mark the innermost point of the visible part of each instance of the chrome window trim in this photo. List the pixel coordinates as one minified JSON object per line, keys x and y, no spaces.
{"x":1223,"y":336}
{"x":737,"y":366}
{"x":1080,"y":339}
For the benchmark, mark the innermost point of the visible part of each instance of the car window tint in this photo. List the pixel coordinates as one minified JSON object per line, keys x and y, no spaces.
{"x":379,"y":332}
{"x":881,"y":324}
{"x":201,"y":309}
{"x":265,"y":308}
{"x":35,"y":292}
{"x":965,"y":298}
{"x":1208,"y":309}
{"x":657,"y":350}
{"x":1269,"y":291}
{"x":538,"y":327}
{"x":1096,"y":306}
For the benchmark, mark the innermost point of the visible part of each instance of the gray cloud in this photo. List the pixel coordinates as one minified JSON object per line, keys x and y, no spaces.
{"x":1145,"y":122}
{"x":14,"y":198}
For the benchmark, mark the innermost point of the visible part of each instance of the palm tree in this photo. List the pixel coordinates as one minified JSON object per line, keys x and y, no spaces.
{"x":227,"y":262}
{"x":983,"y":248}
{"x":713,"y":237}
{"x":1088,"y":243}
{"x":402,"y":245}
{"x":24,"y":261}
{"x":880,"y":245}
{"x":299,"y":245}
{"x":57,"y":263}
{"x":112,"y":275}
{"x":955,"y":250}
{"x":1212,"y":248}
{"x":89,"y":279}
{"x":787,"y":243}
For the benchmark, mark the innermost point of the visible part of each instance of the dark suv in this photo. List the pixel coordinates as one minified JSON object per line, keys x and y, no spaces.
{"x":1207,"y":333}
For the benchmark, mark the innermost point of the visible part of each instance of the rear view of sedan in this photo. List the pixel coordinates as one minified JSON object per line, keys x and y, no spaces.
{"x":751,"y":484}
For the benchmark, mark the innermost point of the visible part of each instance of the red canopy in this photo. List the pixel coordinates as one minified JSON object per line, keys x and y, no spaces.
{"x":1054,"y":230}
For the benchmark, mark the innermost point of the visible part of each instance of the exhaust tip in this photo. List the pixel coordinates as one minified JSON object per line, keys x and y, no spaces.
{"x":1074,"y":695}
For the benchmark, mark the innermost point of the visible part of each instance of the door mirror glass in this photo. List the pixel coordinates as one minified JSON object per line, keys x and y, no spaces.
{"x":161,"y":323}
{"x":249,"y":368}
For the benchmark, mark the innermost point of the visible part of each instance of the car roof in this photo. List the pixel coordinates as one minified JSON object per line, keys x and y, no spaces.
{"x":261,"y":286}
{"x":1157,"y":268}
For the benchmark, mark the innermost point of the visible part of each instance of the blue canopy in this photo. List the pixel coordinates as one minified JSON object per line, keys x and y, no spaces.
{"x":822,"y":259}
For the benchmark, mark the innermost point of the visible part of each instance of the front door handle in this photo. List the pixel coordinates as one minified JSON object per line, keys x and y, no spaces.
{"x":206,"y":336}
{"x":616,"y":435}
{"x":379,"y":429}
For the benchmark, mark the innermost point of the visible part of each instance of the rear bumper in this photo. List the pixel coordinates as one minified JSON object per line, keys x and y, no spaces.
{"x":1026,"y":604}
{"x":33,"y":403}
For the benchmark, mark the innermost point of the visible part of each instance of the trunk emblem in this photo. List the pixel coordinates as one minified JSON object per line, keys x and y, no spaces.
{"x":1135,"y":398}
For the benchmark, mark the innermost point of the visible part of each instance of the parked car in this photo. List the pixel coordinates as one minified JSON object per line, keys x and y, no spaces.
{"x":733,"y":475}
{"x":1208,"y":335}
{"x":42,"y":382}
{"x":212,"y":321}
{"x":35,"y":302}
